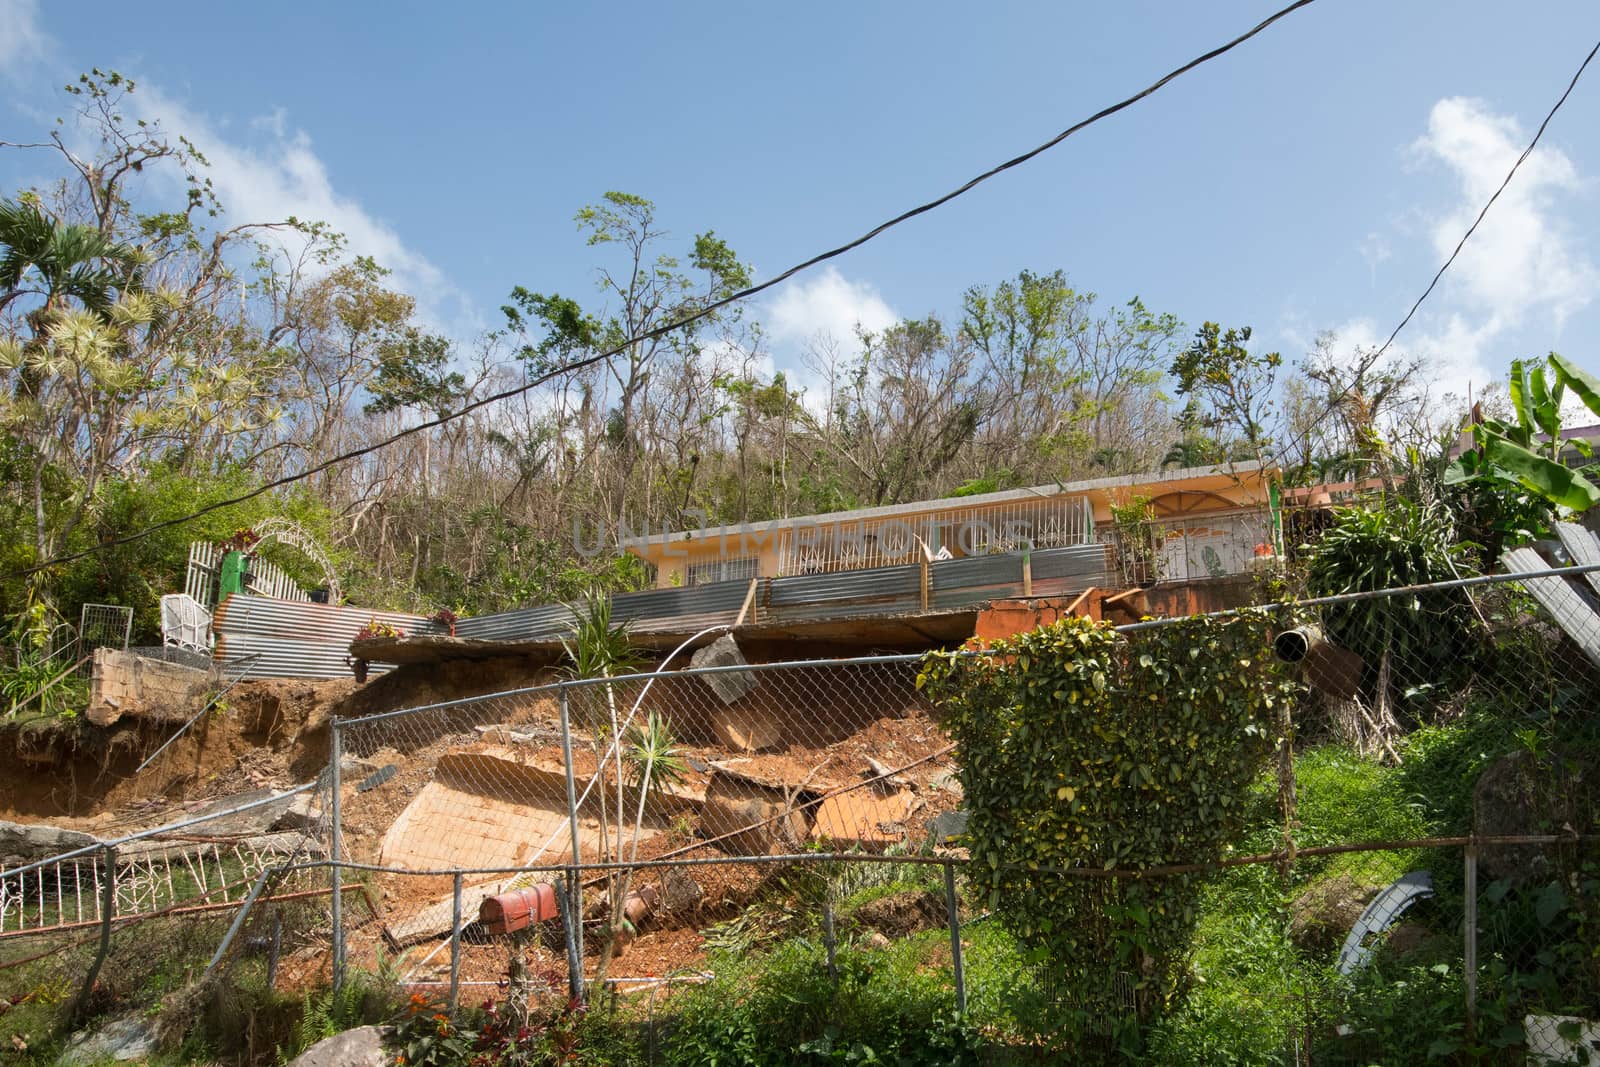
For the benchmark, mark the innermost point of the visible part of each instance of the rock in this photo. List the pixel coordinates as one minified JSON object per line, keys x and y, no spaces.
{"x":905,"y":913}
{"x":946,"y":782}
{"x":257,"y":820}
{"x":724,"y":652}
{"x":361,"y":1047}
{"x":1321,"y":917}
{"x":1407,"y":939}
{"x":679,"y":892}
{"x":1524,"y":794}
{"x":947,"y":825}
{"x":131,"y":1037}
{"x":23,"y":843}
{"x":747,"y":728}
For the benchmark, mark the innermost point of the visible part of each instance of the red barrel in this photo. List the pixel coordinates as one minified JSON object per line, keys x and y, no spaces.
{"x":519,"y":909}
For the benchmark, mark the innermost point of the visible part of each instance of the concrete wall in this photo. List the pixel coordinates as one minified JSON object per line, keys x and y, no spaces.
{"x":125,"y":683}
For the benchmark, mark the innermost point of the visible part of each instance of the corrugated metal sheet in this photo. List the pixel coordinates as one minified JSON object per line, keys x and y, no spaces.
{"x":844,"y":594}
{"x":688,"y":609}
{"x":959,"y":583}
{"x":301,"y":640}
{"x":296,"y":639}
{"x":979,"y":579}
{"x":1059,"y":571}
{"x":542,"y":623}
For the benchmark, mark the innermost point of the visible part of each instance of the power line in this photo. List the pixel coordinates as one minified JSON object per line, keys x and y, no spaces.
{"x":1526,"y":152}
{"x":687,"y":320}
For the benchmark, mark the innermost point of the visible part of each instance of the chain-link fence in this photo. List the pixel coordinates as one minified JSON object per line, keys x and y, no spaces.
{"x":1427,"y":888}
{"x":117,"y":926}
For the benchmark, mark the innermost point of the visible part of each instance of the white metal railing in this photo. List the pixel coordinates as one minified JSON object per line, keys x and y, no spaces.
{"x":817,"y":547}
{"x":264,"y":578}
{"x":1187,"y":547}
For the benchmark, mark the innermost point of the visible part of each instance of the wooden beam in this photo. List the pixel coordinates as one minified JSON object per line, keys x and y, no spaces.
{"x":749,"y":603}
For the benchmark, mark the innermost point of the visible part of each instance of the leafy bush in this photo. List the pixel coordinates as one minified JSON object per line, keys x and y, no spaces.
{"x":784,"y":1008}
{"x":1399,"y":543}
{"x":1083,"y":749}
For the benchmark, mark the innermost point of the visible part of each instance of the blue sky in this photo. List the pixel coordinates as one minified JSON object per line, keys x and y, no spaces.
{"x":1311,"y":180}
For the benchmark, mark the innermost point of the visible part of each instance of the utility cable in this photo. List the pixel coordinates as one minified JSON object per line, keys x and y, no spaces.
{"x":1526,"y":152}
{"x":678,"y":324}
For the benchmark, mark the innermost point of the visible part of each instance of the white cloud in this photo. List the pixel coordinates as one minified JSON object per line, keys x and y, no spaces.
{"x":1454,"y":351}
{"x":814,"y":321}
{"x":1375,"y":249}
{"x":1523,"y":272}
{"x":1522,"y":261}
{"x":826,"y":307}
{"x":22,"y":42}
{"x":279,"y":174}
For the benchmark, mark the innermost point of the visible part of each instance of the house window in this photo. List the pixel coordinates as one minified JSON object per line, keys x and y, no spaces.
{"x":722,"y":570}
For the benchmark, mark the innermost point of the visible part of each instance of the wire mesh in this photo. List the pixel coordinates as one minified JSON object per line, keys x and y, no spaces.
{"x":1428,"y":887}
{"x":116,"y":927}
{"x":104,"y":626}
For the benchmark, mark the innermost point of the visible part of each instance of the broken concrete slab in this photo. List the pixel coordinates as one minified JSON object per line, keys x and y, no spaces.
{"x":126,"y":683}
{"x":760,"y":818}
{"x":257,"y":820}
{"x":862,"y":818}
{"x":729,"y":686}
{"x":491,"y":807}
{"x":303,"y":813}
{"x":24,"y":843}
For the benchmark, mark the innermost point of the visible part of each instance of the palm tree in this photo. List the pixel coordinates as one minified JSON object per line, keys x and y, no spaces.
{"x":60,"y":261}
{"x":600,"y":649}
{"x":1192,"y":451}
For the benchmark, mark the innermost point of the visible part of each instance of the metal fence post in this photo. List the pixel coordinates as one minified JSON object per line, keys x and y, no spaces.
{"x":108,"y":909}
{"x":828,"y":940}
{"x":455,"y":945}
{"x":336,"y":850}
{"x":239,"y":918}
{"x":1469,"y":951}
{"x":953,"y":907}
{"x":569,"y":931}
{"x":575,"y":886}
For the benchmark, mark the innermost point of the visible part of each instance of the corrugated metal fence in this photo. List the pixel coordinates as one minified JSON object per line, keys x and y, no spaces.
{"x":301,"y":640}
{"x":296,"y":639}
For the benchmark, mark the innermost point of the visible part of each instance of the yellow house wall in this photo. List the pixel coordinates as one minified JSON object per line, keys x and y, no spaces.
{"x":675,"y":555}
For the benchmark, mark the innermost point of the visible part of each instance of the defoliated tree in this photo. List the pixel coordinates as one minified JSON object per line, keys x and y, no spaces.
{"x":1231,"y":385}
{"x":642,"y":299}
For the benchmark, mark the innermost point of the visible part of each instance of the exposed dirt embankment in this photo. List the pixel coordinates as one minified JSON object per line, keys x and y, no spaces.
{"x":264,"y":733}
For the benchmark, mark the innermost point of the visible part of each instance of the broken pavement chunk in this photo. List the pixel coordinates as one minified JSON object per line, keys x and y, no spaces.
{"x":728,"y":685}
{"x":860,"y":817}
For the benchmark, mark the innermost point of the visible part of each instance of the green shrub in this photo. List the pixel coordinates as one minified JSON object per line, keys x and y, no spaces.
{"x":785,"y":1008}
{"x":1085,"y":749}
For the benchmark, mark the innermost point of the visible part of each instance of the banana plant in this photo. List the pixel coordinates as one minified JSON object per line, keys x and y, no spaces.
{"x":1527,"y":454}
